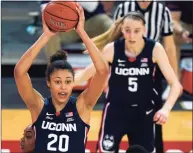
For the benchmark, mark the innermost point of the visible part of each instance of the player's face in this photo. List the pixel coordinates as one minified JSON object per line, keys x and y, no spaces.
{"x":133,"y":31}
{"x":27,"y":142}
{"x":61,"y":84}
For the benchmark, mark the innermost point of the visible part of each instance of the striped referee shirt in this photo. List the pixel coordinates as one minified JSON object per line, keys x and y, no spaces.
{"x":157,"y":16}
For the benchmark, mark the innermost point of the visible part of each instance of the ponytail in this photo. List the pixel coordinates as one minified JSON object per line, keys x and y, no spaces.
{"x":109,"y":36}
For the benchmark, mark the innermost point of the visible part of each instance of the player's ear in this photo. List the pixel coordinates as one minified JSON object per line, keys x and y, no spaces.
{"x":122,"y":29}
{"x":48,"y":83}
{"x":144,"y":31}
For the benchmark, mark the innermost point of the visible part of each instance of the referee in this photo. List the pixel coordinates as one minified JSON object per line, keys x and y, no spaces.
{"x":159,"y":28}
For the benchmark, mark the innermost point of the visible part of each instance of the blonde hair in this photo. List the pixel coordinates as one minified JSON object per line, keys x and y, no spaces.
{"x":110,"y":35}
{"x":114,"y":31}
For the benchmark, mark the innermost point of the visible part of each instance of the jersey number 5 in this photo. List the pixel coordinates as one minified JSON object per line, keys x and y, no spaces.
{"x":132,"y":84}
{"x":62,"y":139}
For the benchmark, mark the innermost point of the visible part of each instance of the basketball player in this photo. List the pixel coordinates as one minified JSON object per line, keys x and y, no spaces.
{"x":27,"y":142}
{"x":61,"y":122}
{"x":129,"y":107}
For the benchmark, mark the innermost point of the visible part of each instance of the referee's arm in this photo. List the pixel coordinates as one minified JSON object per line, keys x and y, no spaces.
{"x":168,"y":40}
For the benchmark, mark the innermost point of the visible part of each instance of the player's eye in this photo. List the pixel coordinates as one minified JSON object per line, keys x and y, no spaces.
{"x":68,"y":81}
{"x":127,"y":30}
{"x":57,"y":82}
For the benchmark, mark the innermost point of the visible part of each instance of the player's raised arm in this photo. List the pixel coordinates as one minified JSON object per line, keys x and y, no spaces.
{"x":91,"y":95}
{"x":31,"y":97}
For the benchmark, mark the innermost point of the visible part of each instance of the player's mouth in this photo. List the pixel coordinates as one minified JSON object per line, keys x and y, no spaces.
{"x":62,"y":94}
{"x":132,"y":42}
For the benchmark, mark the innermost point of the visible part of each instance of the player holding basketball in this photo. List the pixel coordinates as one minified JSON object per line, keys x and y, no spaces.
{"x":129,"y":107}
{"x":61,"y":122}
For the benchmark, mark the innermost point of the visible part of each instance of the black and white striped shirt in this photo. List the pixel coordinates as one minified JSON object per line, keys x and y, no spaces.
{"x":157,"y":16}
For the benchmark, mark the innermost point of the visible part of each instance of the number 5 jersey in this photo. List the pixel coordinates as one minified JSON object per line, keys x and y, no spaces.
{"x":131,"y":81}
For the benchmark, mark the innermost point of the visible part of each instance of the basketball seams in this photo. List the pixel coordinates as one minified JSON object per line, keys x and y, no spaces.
{"x":58,"y":16}
{"x":66,"y":6}
{"x":70,"y":23}
{"x":61,"y":30}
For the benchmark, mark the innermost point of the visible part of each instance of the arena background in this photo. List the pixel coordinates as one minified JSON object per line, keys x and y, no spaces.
{"x":15,"y":117}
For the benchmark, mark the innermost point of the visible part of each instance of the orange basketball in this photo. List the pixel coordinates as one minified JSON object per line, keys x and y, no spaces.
{"x":61,"y":16}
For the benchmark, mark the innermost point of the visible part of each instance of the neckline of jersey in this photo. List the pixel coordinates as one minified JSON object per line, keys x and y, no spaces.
{"x":142,"y":51}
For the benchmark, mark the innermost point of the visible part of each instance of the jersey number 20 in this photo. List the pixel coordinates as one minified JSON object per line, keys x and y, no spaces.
{"x":60,"y":139}
{"x":132,"y":81}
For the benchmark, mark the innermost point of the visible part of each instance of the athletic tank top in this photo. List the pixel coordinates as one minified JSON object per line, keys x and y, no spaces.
{"x":60,"y":133}
{"x":131,"y":81}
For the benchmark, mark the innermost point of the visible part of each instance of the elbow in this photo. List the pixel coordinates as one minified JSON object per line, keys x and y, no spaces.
{"x":180,"y":88}
{"x":104,"y":71}
{"x":17,"y":71}
{"x":177,"y":86}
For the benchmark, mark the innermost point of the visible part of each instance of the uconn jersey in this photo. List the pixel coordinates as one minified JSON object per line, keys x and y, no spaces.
{"x":131,"y":81}
{"x":61,"y":133}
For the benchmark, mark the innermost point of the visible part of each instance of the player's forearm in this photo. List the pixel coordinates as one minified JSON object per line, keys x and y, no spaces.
{"x":84,"y":75}
{"x":29,"y":56}
{"x":175,"y":91}
{"x":97,"y":59}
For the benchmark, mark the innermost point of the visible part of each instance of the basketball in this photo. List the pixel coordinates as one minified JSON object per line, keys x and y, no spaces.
{"x":61,"y":16}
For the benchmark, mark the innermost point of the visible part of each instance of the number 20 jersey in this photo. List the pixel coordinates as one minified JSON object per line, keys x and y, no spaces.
{"x":64,"y":133}
{"x":131,"y":81}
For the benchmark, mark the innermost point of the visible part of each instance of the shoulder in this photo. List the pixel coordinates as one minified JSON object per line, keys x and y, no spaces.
{"x":108,"y":48}
{"x":111,"y":45}
{"x":167,"y":10}
{"x":163,"y":6}
{"x":108,"y":52}
{"x":158,"y":49}
{"x":158,"y":46}
{"x":150,"y":42}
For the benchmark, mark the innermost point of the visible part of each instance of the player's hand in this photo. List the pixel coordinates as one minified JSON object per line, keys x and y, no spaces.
{"x":161,"y":116}
{"x":46,"y":30}
{"x":185,"y":36}
{"x":80,"y":25}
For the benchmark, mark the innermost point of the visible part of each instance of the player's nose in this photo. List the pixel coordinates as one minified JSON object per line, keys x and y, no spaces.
{"x":63,"y":86}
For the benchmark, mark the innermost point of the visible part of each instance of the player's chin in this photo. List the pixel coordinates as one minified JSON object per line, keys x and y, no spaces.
{"x":63,"y":99}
